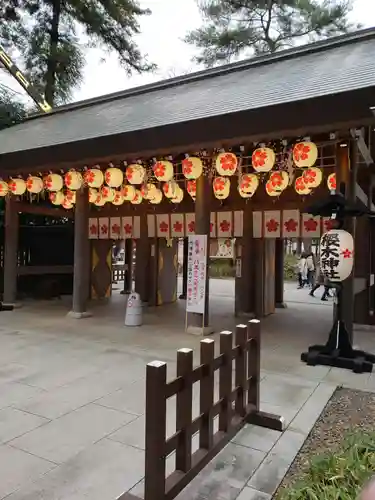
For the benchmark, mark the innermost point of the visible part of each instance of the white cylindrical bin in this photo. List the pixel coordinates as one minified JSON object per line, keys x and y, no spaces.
{"x":133,"y":314}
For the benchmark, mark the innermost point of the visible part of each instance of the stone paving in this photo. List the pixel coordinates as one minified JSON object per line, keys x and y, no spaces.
{"x":72,"y":398}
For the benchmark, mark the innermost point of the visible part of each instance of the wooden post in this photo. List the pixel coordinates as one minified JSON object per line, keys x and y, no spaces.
{"x":279,"y":273}
{"x":206,"y":394}
{"x":241,"y":377}
{"x":225,"y":381}
{"x":184,"y":269}
{"x":245,"y":290}
{"x":253,"y":363}
{"x":10,"y":251}
{"x":142,"y":266}
{"x":128,"y":248}
{"x":184,"y":405}
{"x":81,"y":279}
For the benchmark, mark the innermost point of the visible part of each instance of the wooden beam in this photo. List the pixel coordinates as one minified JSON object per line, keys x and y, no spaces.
{"x":29,"y":208}
{"x":362,"y":146}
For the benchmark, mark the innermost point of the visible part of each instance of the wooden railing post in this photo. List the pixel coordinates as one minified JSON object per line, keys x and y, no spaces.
{"x":240,"y":374}
{"x":184,"y":410}
{"x":253,"y":364}
{"x":156,"y":410}
{"x":225,"y":380}
{"x":206,"y":394}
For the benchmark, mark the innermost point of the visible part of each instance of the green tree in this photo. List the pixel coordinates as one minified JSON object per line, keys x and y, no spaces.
{"x":12,"y":111}
{"x":49,"y":38}
{"x":234,"y":28}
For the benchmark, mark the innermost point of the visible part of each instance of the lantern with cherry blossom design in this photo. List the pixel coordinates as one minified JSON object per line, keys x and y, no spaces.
{"x":135,"y":174}
{"x":270,"y":189}
{"x":179,"y":195}
{"x":221,"y":187}
{"x":128,"y":192}
{"x":56,"y":197}
{"x":158,"y":197}
{"x":73,"y":180}
{"x":192,"y":167}
{"x":163,"y":171}
{"x":100,"y":200}
{"x":118,"y":199}
{"x":17,"y":186}
{"x":336,"y":255}
{"x":70,"y":196}
{"x":263,"y":159}
{"x":331,"y":182}
{"x":34,"y":184}
{"x":279,"y":180}
{"x":67,"y":204}
{"x":93,"y":194}
{"x":226,"y":164}
{"x":191,"y":188}
{"x":137,"y":200}
{"x":170,"y":189}
{"x":148,"y":191}
{"x":243,"y":194}
{"x":248,"y":184}
{"x":108,"y":193}
{"x":305,"y":154}
{"x":4,"y":188}
{"x":313,"y":177}
{"x":113,"y":177}
{"x":53,"y":182}
{"x":94,"y":178}
{"x":300,"y":186}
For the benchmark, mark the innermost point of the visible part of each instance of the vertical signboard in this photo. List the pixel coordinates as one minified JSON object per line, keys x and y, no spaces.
{"x":196,"y":274}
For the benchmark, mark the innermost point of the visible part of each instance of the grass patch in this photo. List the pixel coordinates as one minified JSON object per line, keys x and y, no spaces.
{"x":290,"y":263}
{"x":222,"y":268}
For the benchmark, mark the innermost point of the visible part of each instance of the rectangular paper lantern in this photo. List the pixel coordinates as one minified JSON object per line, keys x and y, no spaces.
{"x":127,"y":227}
{"x":177,"y":225}
{"x":115,"y":228}
{"x":291,"y":224}
{"x":136,"y":227}
{"x":257,"y":224}
{"x":103,"y":228}
{"x":93,"y":229}
{"x":224,"y":224}
{"x":238,"y":224}
{"x":163,"y":229}
{"x":272,"y":224}
{"x":213,"y":225}
{"x":189,"y":224}
{"x":310,"y":226}
{"x":151,"y":227}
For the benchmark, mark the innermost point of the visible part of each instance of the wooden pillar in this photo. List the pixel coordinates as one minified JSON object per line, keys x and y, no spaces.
{"x":142,"y":265}
{"x":245,"y":286}
{"x":10,"y":251}
{"x":128,"y":249}
{"x":81,"y":279}
{"x":259,"y":276}
{"x":184,"y":269}
{"x":279,"y":273}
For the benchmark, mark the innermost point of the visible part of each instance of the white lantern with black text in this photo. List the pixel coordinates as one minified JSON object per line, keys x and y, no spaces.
{"x":336,"y":255}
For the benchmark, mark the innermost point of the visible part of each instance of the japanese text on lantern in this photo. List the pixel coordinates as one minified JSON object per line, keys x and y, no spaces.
{"x":330,"y":255}
{"x":196,"y":274}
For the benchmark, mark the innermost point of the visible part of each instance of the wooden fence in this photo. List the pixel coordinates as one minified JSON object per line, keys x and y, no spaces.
{"x":237,"y":404}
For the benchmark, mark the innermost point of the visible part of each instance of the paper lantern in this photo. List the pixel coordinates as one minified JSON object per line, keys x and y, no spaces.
{"x":137,"y":200}
{"x":17,"y":186}
{"x":114,"y":177}
{"x":128,"y":192}
{"x":179,"y":196}
{"x":248,"y":183}
{"x":221,"y":187}
{"x":170,"y":189}
{"x":93,"y":194}
{"x":108,"y":193}
{"x":135,"y":174}
{"x":305,"y":154}
{"x":34,"y":184}
{"x":73,"y":180}
{"x":270,"y":189}
{"x":163,"y":171}
{"x":279,"y":180}
{"x":57,"y":197}
{"x":192,"y":167}
{"x":331,"y":182}
{"x":226,"y":164}
{"x":313,"y":177}
{"x":118,"y":199}
{"x":100,"y":201}
{"x":94,"y":178}
{"x":148,"y":191}
{"x":71,"y":196}
{"x":67,"y":204}
{"x":158,"y":197}
{"x":300,"y":186}
{"x":192,"y":188}
{"x":336,"y":255}
{"x":4,"y":189}
{"x":243,"y":194}
{"x":263,"y":159}
{"x":53,"y":182}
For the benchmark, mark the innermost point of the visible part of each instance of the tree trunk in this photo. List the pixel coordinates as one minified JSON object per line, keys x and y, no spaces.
{"x":53,"y":53}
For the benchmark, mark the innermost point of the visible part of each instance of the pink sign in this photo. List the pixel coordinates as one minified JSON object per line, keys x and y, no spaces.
{"x":196,"y":274}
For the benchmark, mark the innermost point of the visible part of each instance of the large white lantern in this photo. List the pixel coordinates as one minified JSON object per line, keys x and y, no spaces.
{"x":128,"y":192}
{"x":270,"y":189}
{"x":158,"y":197}
{"x":263,"y":159}
{"x":170,"y":189}
{"x":148,"y":191}
{"x":113,"y":177}
{"x":4,"y":188}
{"x":71,"y":196}
{"x":279,"y":180}
{"x":34,"y":184}
{"x":191,"y":188}
{"x":137,"y":200}
{"x":118,"y":199}
{"x":300,"y":186}
{"x":93,"y":195}
{"x":192,"y":167}
{"x":67,"y":204}
{"x":94,"y":178}
{"x":57,"y":197}
{"x":221,"y":187}
{"x":305,"y":154}
{"x":163,"y":171}
{"x":336,"y":255}
{"x":226,"y":164}
{"x":135,"y":174}
{"x":313,"y":177}
{"x":53,"y":182}
{"x":179,"y":196}
{"x":17,"y":186}
{"x":248,"y":184}
{"x":108,"y":193}
{"x":73,"y":180}
{"x":100,"y":200}
{"x":331,"y":182}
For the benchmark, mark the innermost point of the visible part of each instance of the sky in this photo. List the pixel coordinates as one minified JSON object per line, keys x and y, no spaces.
{"x":161,"y":39}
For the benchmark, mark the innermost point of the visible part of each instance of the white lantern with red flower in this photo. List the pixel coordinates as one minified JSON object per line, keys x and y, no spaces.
{"x":34,"y":184}
{"x":192,"y":167}
{"x":279,"y":180}
{"x":128,"y":192}
{"x":148,"y":191}
{"x":93,"y":194}
{"x":71,"y":196}
{"x":226,"y":164}
{"x":300,"y":186}
{"x":67,"y":204}
{"x":242,"y":192}
{"x":94,"y":178}
{"x":73,"y":180}
{"x":100,"y":200}
{"x":270,"y":189}
{"x":221,"y":187}
{"x":17,"y":186}
{"x":331,"y":182}
{"x":4,"y":188}
{"x":53,"y":182}
{"x":313,"y":177}
{"x":118,"y":199}
{"x":248,"y":183}
{"x":56,"y":198}
{"x":263,"y":159}
{"x":137,"y":200}
{"x":305,"y":154}
{"x":170,"y":189}
{"x":336,"y":255}
{"x":163,"y":171}
{"x":179,"y":196}
{"x":158,"y":197}
{"x":191,"y":188}
{"x":113,"y":177}
{"x":135,"y":174}
{"x":108,"y":193}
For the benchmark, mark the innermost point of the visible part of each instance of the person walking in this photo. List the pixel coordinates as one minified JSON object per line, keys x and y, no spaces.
{"x":310,"y":265}
{"x":302,"y":271}
{"x":321,"y":281}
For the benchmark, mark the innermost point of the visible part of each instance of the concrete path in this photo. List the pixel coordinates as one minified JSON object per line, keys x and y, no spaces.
{"x":72,"y":398}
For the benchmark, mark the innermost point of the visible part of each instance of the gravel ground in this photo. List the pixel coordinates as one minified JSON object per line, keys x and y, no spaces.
{"x":348,"y":410}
